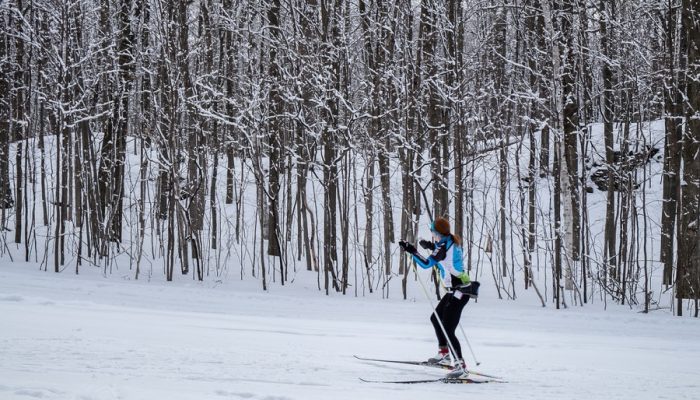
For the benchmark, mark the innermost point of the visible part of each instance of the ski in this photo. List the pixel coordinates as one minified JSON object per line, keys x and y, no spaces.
{"x":435,"y":380}
{"x":425,"y":364}
{"x":420,"y":363}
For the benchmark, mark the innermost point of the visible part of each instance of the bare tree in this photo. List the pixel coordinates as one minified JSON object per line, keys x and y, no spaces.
{"x":688,"y":273}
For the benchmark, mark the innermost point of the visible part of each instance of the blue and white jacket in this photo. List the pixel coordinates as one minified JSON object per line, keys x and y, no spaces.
{"x":447,"y":257}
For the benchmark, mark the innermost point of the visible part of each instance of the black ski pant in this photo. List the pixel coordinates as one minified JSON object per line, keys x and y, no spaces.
{"x":449,"y":310}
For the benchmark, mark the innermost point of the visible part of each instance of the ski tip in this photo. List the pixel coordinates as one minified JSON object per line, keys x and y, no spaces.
{"x":406,"y":382}
{"x":489,"y":380}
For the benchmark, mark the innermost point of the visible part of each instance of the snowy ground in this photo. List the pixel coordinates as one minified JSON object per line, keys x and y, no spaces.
{"x":87,"y":337}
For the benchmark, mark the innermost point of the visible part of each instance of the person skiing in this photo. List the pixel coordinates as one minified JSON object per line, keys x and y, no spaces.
{"x":446,"y":256}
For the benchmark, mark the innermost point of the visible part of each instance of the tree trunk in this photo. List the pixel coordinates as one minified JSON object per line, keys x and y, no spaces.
{"x":329,"y":14}
{"x":571,"y":133}
{"x":5,"y":101}
{"x":544,"y":65}
{"x":688,"y":274}
{"x":19,"y":133}
{"x":275,"y":131}
{"x":608,"y":118}
{"x":672,"y":144}
{"x":430,"y":58}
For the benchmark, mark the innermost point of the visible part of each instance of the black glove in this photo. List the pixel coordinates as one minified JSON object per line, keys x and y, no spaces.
{"x":426,"y":245}
{"x":403,"y":244}
{"x":407,"y":247}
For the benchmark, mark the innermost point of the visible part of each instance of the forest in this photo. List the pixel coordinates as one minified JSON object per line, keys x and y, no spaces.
{"x":271,"y":139}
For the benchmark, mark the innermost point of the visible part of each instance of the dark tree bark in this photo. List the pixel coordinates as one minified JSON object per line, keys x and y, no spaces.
{"x":455,"y":47}
{"x":430,"y":58}
{"x":275,"y":130}
{"x":6,"y":200}
{"x":543,"y":84}
{"x":608,"y":111}
{"x":20,"y":111}
{"x":329,"y":19}
{"x":501,"y":130}
{"x":673,"y":107}
{"x":571,"y":129}
{"x":113,"y":152}
{"x":688,"y":274}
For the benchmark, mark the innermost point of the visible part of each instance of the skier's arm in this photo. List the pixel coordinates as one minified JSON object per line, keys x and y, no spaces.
{"x":433,"y":260}
{"x":424,"y":262}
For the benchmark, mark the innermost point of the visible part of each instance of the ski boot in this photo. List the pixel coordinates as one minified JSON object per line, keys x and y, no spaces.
{"x":459,"y":371}
{"x":441,"y":358}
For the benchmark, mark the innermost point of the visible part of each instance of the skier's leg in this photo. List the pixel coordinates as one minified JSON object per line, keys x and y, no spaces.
{"x":453,"y":312}
{"x":440,"y":310}
{"x":450,"y":321}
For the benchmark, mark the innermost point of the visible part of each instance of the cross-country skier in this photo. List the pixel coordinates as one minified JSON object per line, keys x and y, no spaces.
{"x":447,"y":258}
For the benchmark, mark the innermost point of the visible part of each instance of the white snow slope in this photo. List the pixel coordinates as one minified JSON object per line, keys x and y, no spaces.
{"x":87,"y":337}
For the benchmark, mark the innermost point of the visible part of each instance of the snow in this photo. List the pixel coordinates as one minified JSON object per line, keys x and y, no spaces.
{"x":89,"y":337}
{"x":99,"y":337}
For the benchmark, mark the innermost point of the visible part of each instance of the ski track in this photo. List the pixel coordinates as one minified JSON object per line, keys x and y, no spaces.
{"x":90,"y":338}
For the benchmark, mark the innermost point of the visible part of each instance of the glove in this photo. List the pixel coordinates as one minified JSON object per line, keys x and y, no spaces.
{"x":407,"y":247}
{"x":426,"y":244}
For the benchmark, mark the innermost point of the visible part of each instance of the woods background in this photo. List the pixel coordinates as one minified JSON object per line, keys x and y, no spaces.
{"x":142,"y":133}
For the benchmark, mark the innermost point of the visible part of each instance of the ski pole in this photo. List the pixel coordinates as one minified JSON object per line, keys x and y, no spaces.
{"x":437,"y":317}
{"x":449,"y":342}
{"x":469,"y":345}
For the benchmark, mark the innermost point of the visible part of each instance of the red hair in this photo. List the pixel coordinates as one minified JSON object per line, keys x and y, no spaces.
{"x":442,"y":226}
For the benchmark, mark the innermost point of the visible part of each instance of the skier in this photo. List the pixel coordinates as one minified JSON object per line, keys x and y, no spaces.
{"x":447,"y":258}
